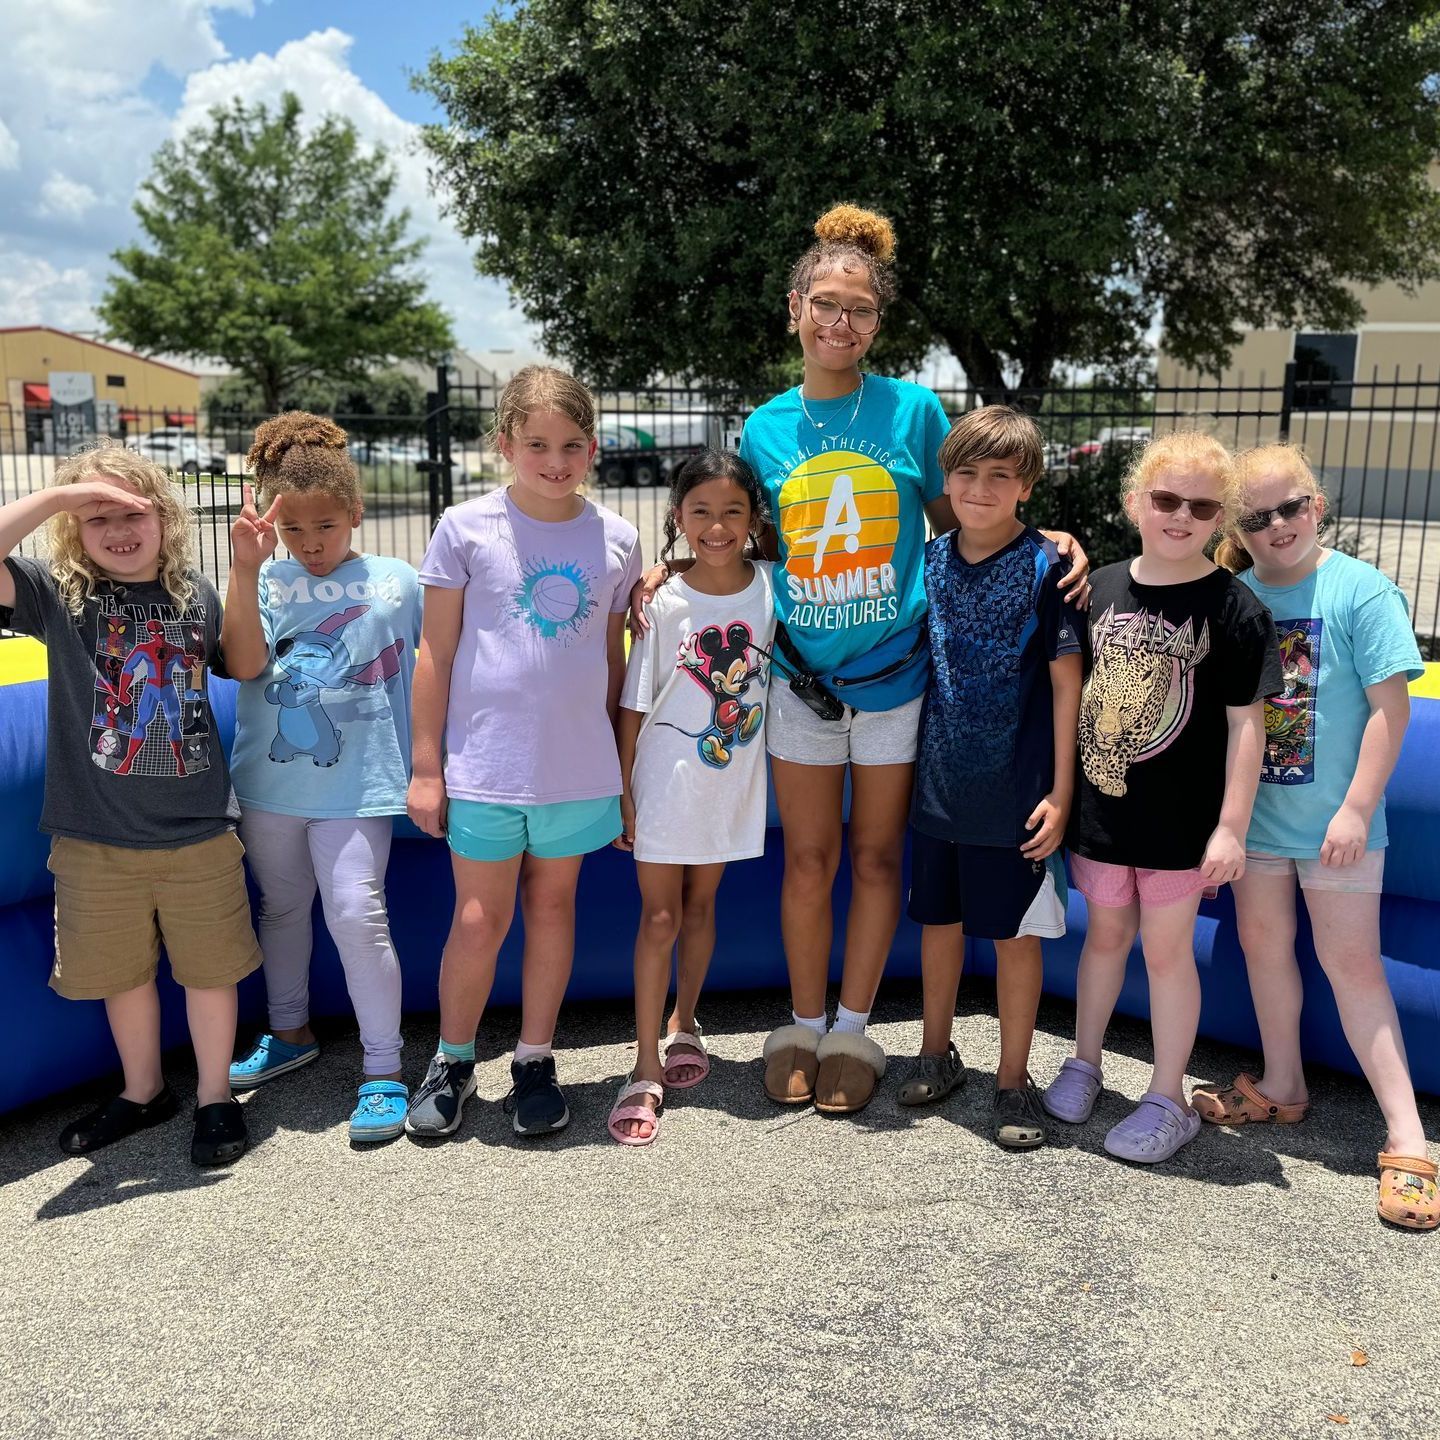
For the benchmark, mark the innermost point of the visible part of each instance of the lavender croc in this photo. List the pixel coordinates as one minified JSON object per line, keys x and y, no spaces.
{"x":1072,"y":1094}
{"x":1153,"y":1131}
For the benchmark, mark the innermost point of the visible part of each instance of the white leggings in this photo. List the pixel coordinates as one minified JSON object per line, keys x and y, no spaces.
{"x":291,"y":857}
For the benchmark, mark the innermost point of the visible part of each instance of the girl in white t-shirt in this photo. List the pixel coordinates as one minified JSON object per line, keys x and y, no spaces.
{"x":692,"y":758}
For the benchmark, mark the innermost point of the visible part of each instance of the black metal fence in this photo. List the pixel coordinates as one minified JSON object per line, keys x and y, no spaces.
{"x":1373,"y":442}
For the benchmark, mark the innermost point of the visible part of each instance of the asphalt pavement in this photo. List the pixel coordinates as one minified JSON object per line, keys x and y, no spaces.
{"x":758,"y":1272}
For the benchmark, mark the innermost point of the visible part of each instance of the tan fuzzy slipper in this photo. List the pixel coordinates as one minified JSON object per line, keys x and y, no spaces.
{"x":790,"y":1064}
{"x":850,"y":1070}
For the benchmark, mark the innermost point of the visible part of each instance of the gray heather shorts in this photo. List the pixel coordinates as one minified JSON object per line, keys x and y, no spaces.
{"x":795,"y":733}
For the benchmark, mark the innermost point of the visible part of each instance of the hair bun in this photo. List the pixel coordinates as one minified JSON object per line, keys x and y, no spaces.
{"x":275,"y":437}
{"x":864,"y":229}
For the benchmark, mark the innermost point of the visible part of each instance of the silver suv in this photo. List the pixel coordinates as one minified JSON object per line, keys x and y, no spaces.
{"x":181,"y":450}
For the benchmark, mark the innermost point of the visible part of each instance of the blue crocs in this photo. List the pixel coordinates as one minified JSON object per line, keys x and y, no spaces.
{"x":270,"y":1057}
{"x":380,"y":1111}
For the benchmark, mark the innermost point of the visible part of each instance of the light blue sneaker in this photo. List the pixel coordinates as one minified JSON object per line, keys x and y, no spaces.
{"x":380,"y":1111}
{"x":270,"y":1057}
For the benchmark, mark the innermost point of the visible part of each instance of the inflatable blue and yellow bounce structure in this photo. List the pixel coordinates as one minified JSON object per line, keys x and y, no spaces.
{"x":748,"y":954}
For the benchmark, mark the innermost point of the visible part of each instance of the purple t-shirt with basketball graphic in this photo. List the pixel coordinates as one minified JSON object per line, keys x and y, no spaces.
{"x":527,"y":723}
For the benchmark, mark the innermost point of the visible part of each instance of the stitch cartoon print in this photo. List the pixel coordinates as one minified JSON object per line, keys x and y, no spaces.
{"x":315,"y":661}
{"x":722,"y":666}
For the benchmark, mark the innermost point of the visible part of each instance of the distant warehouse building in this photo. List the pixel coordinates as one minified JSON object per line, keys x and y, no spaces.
{"x":127,"y":394}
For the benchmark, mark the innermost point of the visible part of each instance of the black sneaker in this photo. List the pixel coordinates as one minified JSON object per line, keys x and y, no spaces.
{"x":1019,"y":1120}
{"x":536,"y":1100}
{"x":115,"y":1120}
{"x":440,"y":1100}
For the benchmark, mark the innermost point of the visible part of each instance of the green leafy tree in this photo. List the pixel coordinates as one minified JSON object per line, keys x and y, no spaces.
{"x":388,"y":404}
{"x":274,"y":251}
{"x":643,"y":175}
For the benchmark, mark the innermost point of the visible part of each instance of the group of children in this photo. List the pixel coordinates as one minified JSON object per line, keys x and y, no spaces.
{"x":1193,"y":728}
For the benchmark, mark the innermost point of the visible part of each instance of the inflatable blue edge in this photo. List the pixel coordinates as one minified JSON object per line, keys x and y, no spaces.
{"x":748,"y":952}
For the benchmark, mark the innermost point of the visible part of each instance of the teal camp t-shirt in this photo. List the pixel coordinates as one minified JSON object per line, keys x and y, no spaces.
{"x":848,"y":502}
{"x":1343,"y":627}
{"x":324,"y":730}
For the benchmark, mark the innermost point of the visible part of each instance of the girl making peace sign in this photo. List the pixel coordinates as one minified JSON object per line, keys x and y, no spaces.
{"x":322,"y":747}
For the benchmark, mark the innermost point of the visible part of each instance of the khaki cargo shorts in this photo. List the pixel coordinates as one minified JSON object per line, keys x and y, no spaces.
{"x":114,"y":907}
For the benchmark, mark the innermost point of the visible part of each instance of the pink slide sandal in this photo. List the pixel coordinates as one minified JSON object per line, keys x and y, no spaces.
{"x":621,"y":1111}
{"x":699,"y":1060}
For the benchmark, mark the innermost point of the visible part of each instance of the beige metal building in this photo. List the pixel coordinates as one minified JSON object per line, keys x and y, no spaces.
{"x":1365,"y":405}
{"x":146,"y":394}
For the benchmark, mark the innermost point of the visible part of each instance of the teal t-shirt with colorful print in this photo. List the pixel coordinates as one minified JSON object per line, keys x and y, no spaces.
{"x":847,"y":496}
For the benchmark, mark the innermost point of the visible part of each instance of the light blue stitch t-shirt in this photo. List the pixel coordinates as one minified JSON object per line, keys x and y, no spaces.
{"x":847,"y":498}
{"x":1343,"y":627}
{"x":324,"y":730}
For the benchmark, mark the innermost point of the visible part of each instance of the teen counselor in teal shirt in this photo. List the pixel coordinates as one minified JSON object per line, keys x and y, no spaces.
{"x":848,"y":484}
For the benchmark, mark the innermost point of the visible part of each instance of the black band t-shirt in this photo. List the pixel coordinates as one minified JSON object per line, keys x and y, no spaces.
{"x":1165,"y":662}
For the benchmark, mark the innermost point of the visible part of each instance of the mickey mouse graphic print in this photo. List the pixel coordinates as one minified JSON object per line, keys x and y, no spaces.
{"x":1165,"y":664}
{"x":701,"y":677}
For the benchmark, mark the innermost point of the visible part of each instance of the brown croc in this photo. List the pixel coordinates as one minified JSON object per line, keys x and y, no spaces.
{"x":850,"y":1069}
{"x":1242,"y":1103}
{"x":1408,"y":1193}
{"x":790,"y":1064}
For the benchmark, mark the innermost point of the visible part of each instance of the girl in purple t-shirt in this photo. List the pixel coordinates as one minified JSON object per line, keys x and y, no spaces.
{"x":514,"y":761}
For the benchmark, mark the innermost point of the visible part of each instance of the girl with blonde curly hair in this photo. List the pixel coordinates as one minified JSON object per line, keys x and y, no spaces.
{"x":325,"y":643}
{"x":849,"y":462}
{"x":138,"y":801}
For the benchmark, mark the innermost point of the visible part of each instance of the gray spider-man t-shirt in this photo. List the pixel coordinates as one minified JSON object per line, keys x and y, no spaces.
{"x":132,"y":757}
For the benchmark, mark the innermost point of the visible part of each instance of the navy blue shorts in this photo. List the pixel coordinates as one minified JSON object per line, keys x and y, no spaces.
{"x":993,"y":891}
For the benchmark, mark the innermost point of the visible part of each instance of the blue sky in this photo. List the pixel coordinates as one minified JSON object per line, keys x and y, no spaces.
{"x":88,"y":90}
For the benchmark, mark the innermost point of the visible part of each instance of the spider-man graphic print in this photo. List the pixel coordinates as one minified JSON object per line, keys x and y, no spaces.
{"x":149,"y":716}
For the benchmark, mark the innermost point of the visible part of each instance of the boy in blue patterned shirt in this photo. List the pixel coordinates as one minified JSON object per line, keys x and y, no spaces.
{"x":995,"y":771}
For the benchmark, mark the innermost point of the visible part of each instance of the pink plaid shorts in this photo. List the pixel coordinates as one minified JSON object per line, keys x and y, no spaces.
{"x":1119,"y":885}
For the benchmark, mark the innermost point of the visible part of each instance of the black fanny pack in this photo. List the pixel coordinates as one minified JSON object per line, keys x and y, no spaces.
{"x":808,"y":686}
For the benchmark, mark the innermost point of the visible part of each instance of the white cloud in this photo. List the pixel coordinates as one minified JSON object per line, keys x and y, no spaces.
{"x":77,"y":133}
{"x":34,"y":292}
{"x":63,"y":198}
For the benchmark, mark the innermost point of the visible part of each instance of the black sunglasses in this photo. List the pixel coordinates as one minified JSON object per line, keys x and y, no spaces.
{"x":1167,"y":502}
{"x":1257,"y":520}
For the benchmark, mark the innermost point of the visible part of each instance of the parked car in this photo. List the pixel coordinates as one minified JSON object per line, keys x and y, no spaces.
{"x":388,"y":452}
{"x":181,"y":450}
{"x":1085,"y":450}
{"x":1115,"y":436}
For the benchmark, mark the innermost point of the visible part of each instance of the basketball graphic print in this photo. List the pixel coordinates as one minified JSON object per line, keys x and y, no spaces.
{"x":554,"y":599}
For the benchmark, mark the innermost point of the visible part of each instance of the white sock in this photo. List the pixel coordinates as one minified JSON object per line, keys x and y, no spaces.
{"x":851,"y":1022}
{"x":524,"y":1052}
{"x":817,"y":1024}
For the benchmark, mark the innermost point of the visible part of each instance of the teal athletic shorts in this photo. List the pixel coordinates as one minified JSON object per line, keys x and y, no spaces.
{"x":479,"y":830}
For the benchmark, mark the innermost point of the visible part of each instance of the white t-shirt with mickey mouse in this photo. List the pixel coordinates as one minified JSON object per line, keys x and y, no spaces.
{"x":703,"y":686}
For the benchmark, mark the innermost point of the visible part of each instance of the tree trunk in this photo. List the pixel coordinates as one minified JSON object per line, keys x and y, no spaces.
{"x":981,"y":365}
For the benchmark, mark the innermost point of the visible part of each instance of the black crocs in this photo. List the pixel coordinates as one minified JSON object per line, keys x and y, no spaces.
{"x":220,"y":1134}
{"x":1019,"y":1122}
{"x":114,"y":1120}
